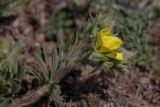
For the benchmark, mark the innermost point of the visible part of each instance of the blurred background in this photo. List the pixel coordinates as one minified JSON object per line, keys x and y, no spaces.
{"x":137,"y":22}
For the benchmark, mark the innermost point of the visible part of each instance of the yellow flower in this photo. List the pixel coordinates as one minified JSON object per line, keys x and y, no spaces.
{"x":114,"y":55}
{"x":104,"y":32}
{"x":106,"y":44}
{"x":109,"y":43}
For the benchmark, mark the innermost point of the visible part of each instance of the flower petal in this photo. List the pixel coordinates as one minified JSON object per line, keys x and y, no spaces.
{"x":101,"y":33}
{"x":119,"y":56}
{"x":114,"y":55}
{"x":104,"y":32}
{"x":111,"y":42}
{"x":103,"y":49}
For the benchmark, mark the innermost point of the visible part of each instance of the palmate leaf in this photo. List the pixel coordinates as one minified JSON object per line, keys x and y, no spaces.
{"x":45,"y":71}
{"x":43,"y":68}
{"x":11,"y":69}
{"x":133,"y":30}
{"x":63,"y":59}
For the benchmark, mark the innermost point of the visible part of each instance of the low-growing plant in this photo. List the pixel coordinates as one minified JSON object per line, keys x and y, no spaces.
{"x":132,"y":27}
{"x":11,"y":69}
{"x":93,"y":44}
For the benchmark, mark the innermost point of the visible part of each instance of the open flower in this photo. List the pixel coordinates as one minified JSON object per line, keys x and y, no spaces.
{"x":107,"y":44}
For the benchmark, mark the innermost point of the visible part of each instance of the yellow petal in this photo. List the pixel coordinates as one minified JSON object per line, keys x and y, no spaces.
{"x":111,"y":42}
{"x":104,"y":50}
{"x":114,"y":55}
{"x":104,"y":32}
{"x":119,"y":56}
